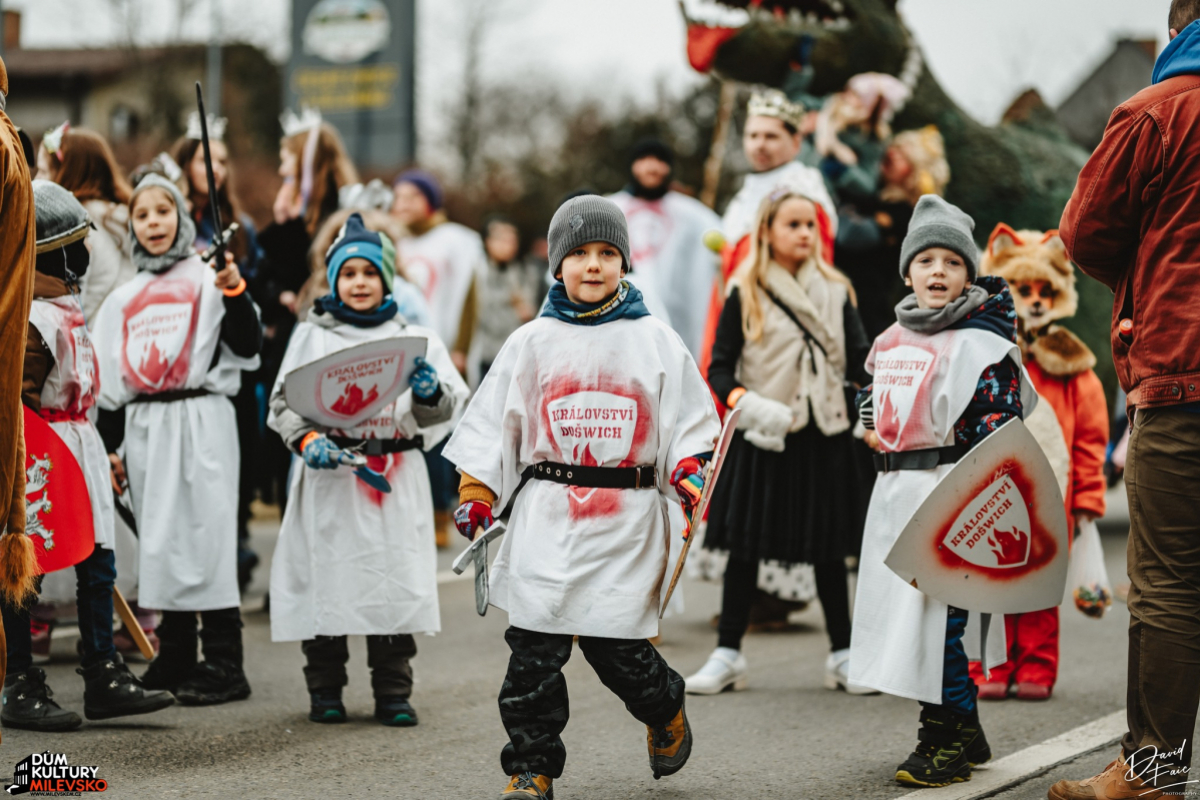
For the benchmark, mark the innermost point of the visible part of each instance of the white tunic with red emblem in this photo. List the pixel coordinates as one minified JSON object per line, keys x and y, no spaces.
{"x":666,"y":241}
{"x":350,"y":559}
{"x":442,"y":263}
{"x":68,"y":395}
{"x":160,"y":333}
{"x":922,"y":385}
{"x":625,"y":393}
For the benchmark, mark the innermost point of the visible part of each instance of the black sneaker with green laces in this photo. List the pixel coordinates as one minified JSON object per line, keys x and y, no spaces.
{"x":940,"y":758}
{"x":326,"y":706}
{"x":395,"y":712}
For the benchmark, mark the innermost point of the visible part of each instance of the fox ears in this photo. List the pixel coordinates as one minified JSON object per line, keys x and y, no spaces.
{"x":1004,"y":237}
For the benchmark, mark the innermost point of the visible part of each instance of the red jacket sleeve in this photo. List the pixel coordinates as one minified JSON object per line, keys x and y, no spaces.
{"x":1101,"y":224}
{"x":1087,"y":449}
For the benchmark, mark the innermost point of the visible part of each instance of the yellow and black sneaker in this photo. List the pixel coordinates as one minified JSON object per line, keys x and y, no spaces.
{"x":941,"y":755}
{"x":529,"y":786}
{"x":669,"y":745}
{"x":978,"y":750}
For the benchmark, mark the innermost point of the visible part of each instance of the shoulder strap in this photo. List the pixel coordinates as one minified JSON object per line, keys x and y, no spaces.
{"x":809,"y":339}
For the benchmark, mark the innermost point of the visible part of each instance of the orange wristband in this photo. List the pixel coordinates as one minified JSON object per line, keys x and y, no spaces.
{"x":235,"y":291}
{"x":734,"y":396}
{"x":308,"y":437}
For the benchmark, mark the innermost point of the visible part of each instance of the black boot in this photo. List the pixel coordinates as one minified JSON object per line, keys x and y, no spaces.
{"x":176,"y":659}
{"x":941,"y":755}
{"x":395,"y":712}
{"x":110,"y":690}
{"x":978,"y":750}
{"x":326,"y":706}
{"x":27,"y":704}
{"x":219,"y":678}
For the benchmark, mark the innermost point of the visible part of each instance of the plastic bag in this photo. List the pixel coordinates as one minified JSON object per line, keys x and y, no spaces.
{"x":1087,"y":577}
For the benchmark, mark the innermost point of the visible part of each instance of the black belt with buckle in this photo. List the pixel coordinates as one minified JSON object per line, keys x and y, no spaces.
{"x":378,"y":447}
{"x":644,"y":477}
{"x":930,"y":458}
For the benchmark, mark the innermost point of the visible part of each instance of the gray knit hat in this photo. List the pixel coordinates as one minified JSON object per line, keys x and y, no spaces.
{"x":936,"y":223}
{"x":61,"y":219}
{"x":583,"y":219}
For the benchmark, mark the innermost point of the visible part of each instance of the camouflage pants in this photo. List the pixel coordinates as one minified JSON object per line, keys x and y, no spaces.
{"x":533,"y":700}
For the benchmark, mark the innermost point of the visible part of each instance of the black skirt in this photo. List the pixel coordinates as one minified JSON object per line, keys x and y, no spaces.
{"x":803,"y":506}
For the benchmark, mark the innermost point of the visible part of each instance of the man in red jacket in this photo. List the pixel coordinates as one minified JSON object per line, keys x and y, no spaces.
{"x":1133,"y":223}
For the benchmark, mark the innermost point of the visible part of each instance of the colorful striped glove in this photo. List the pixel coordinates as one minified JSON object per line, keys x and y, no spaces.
{"x":424,"y":380}
{"x":318,"y":452}
{"x":472,"y":517}
{"x":688,"y":480}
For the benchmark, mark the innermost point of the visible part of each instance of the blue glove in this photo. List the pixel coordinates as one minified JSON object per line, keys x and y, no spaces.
{"x":320,"y":453}
{"x":424,"y":380}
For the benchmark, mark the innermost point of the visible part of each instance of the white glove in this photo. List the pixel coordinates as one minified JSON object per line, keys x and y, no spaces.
{"x":765,"y":442}
{"x":768,"y":417}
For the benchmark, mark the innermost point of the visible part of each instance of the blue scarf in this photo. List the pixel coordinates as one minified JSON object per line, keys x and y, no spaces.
{"x":1181,"y":56}
{"x":625,"y":303}
{"x":331,"y":304}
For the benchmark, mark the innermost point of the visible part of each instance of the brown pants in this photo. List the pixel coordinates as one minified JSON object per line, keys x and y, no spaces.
{"x":388,"y":657}
{"x":1162,"y":477}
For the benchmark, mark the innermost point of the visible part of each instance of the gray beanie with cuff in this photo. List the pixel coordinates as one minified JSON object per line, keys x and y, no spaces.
{"x":936,"y":223}
{"x":583,"y":219}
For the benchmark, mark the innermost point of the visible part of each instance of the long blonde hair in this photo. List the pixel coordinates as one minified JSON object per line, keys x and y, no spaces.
{"x":752,"y":272}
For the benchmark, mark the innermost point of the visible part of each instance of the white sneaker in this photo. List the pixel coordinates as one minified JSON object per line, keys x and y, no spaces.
{"x":837,"y":674}
{"x":725,"y":669}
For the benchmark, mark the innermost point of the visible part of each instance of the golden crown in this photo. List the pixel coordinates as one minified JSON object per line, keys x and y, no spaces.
{"x":774,"y":103}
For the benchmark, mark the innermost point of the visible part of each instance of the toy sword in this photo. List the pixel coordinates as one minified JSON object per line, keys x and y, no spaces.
{"x":215,"y":254}
{"x":710,"y":481}
{"x":477,"y":554}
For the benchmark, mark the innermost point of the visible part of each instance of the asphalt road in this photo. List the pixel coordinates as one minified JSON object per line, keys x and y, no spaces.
{"x":785,"y":737}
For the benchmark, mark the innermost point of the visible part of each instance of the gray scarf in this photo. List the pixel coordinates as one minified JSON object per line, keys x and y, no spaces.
{"x":185,"y":235}
{"x":932,"y":320}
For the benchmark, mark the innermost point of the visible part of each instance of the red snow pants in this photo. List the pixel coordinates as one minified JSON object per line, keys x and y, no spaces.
{"x":1032,"y":650}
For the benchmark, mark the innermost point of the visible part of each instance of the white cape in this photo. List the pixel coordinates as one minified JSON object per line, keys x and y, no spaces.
{"x":580,"y":560}
{"x":899,"y":634}
{"x":160,"y":332}
{"x":443,"y":262}
{"x":666,"y":239}
{"x":351,"y":560}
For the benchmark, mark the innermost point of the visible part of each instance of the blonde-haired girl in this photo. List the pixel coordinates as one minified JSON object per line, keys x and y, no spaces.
{"x":788,"y":337}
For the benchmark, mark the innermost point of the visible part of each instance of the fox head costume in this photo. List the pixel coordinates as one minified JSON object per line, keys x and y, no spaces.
{"x":1042,"y":280}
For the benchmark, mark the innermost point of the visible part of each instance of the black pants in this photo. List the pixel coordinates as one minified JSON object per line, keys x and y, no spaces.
{"x":741,"y":579}
{"x":387,"y":656}
{"x":220,"y":637}
{"x":533,"y":700}
{"x":94,"y":578}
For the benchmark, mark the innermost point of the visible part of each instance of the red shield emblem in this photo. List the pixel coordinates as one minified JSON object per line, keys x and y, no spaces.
{"x":345,"y":388}
{"x":992,"y":537}
{"x":58,"y":510}
{"x":159,"y":329}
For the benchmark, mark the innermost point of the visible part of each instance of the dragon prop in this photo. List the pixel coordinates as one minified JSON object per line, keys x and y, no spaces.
{"x":1020,"y":172}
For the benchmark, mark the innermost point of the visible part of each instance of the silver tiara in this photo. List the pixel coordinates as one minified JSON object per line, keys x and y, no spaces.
{"x":292,"y":123}
{"x":216,"y":127}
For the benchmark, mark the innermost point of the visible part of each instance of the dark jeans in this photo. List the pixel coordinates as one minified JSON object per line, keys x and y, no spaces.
{"x":94,"y":577}
{"x":1162,"y":478}
{"x":741,"y":580}
{"x":533,"y":699}
{"x":220,"y":637}
{"x":958,"y":688}
{"x":387,"y":656}
{"x":443,"y":478}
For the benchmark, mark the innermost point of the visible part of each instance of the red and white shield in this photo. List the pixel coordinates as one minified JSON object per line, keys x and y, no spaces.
{"x":345,"y":388}
{"x":58,"y":509}
{"x":160,"y":324}
{"x":992,"y":537}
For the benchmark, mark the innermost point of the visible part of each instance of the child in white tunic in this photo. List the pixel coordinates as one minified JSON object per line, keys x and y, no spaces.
{"x":59,"y":384}
{"x":602,"y":406}
{"x":351,"y":559}
{"x":946,"y":375}
{"x":171,"y":346}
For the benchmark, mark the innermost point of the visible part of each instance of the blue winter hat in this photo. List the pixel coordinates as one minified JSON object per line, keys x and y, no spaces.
{"x":426,"y":183}
{"x":354,"y":240}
